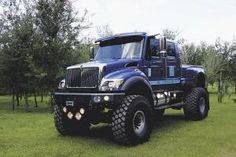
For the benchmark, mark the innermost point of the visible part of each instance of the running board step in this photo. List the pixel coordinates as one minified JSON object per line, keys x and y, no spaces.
{"x":169,"y":106}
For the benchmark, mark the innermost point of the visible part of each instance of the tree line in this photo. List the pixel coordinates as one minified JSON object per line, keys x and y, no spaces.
{"x":217,"y":59}
{"x":38,"y":40}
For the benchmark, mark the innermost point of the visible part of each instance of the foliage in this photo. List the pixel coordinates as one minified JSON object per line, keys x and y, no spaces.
{"x":212,"y":64}
{"x":81,"y":54}
{"x":104,"y":31}
{"x":59,"y":28}
{"x":218,"y":59}
{"x":170,"y":34}
{"x":38,"y":39}
{"x":17,"y":39}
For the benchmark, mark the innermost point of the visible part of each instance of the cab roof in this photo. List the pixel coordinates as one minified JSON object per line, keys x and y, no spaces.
{"x":121,"y":35}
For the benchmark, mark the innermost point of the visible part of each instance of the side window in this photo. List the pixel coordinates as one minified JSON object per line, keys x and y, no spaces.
{"x":171,"y":50}
{"x":155,"y":47}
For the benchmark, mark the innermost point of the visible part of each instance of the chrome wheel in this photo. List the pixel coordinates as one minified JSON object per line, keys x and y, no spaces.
{"x":202,"y":105}
{"x":139,"y":122}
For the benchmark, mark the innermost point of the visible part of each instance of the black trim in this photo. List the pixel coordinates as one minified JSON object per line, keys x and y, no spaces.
{"x":90,"y":94}
{"x":88,"y":99}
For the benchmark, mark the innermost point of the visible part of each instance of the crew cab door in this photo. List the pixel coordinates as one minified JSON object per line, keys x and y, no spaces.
{"x":173,"y":61}
{"x":163,"y":70}
{"x":155,"y":65}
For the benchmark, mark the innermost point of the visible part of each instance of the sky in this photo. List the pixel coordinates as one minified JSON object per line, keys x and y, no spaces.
{"x":197,"y":20}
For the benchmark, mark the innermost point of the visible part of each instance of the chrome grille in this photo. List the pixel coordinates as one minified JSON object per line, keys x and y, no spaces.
{"x":82,"y":77}
{"x":73,"y":78}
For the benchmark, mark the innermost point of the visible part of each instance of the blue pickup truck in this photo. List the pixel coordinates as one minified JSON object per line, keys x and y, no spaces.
{"x":128,"y":84}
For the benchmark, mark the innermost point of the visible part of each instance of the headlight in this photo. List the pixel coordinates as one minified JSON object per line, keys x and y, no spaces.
{"x":109,"y":85}
{"x":61,"y":84}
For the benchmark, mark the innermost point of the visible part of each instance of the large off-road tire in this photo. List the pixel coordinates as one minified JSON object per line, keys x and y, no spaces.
{"x":196,"y":105}
{"x":132,"y":120}
{"x":66,"y":126}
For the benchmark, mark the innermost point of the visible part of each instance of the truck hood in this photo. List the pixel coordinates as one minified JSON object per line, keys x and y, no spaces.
{"x":109,"y":65}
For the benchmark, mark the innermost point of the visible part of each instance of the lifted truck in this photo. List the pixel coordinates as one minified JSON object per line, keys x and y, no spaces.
{"x":133,"y":78}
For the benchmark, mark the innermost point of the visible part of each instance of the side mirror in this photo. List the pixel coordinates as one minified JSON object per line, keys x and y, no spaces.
{"x":92,"y":52}
{"x":163,"y":47}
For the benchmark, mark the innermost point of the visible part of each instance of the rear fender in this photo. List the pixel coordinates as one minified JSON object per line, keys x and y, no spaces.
{"x":194,"y":77}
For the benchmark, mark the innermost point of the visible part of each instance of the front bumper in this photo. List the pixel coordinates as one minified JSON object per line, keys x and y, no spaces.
{"x":85,"y":99}
{"x":74,"y":102}
{"x":93,"y":98}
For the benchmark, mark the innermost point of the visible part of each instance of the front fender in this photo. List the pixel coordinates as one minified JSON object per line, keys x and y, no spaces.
{"x":130,"y":77}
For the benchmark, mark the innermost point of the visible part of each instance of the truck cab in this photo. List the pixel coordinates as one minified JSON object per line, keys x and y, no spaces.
{"x":132,"y":78}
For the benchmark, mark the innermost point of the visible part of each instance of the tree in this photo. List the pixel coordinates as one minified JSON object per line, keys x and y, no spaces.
{"x":232,"y":64}
{"x":170,"y":34}
{"x":188,"y":54}
{"x":81,"y":54}
{"x":212,"y":63}
{"x":104,"y":31}
{"x":16,"y":49}
{"x":233,"y":70}
{"x":60,"y":28}
{"x":16,"y":63}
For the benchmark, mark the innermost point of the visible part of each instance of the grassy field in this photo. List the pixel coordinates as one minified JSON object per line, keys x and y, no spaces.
{"x":32,"y":134}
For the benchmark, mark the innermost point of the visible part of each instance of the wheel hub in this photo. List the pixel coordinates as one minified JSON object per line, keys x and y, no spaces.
{"x":139,"y":122}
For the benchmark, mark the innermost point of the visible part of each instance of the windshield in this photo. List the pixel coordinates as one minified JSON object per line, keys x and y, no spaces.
{"x":130,"y":50}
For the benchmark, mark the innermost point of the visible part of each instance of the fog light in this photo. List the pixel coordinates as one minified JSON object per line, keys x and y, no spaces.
{"x":70,"y":115}
{"x":106,"y":98}
{"x":82,"y":111}
{"x":78,"y":116}
{"x":174,"y":95}
{"x":97,"y":99}
{"x":64,"y":109}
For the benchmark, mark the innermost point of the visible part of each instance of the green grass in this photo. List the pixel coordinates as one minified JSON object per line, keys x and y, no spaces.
{"x":33,"y":134}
